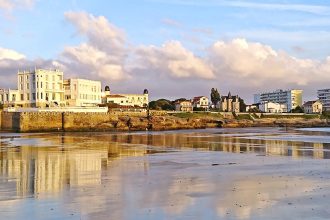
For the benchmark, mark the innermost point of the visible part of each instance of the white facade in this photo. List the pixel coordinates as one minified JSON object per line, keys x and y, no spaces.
{"x":324,"y":96}
{"x":200,"y":102}
{"x":312,"y":107}
{"x":271,"y":107}
{"x":82,"y":92}
{"x":184,"y":106}
{"x":138,"y":100}
{"x":8,"y":97}
{"x":292,"y":98}
{"x":40,"y":88}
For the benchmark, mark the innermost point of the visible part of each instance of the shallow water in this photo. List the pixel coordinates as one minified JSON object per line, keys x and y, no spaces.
{"x":250,"y":173}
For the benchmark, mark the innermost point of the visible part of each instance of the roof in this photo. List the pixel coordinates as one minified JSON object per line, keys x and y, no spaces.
{"x":182,"y":101}
{"x":115,"y":96}
{"x":197,"y":98}
{"x":310,"y":102}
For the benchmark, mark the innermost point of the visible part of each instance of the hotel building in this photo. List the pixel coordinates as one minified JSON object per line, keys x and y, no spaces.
{"x":292,"y":98}
{"x":82,"y":92}
{"x":324,"y":96}
{"x":40,"y":88}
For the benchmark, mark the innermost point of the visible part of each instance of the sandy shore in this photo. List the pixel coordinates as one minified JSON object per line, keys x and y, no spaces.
{"x":191,"y":185}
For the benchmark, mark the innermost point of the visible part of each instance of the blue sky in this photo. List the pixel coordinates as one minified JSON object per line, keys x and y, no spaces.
{"x":299,"y":28}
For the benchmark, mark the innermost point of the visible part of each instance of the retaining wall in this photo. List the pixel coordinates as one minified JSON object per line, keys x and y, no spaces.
{"x":40,"y":121}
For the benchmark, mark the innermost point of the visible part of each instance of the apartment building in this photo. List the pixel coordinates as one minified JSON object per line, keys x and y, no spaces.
{"x":82,"y":92}
{"x":324,"y":96}
{"x":292,"y":98}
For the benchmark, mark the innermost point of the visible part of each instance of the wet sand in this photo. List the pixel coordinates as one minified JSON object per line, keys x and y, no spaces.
{"x":213,"y":174}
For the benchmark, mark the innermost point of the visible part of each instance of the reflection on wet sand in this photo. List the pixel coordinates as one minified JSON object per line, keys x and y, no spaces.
{"x":115,"y":173}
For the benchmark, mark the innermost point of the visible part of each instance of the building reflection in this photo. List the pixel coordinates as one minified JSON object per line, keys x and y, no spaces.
{"x":74,"y":162}
{"x":70,"y":160}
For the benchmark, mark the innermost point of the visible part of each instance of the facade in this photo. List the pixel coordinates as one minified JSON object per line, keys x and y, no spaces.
{"x":271,"y":107}
{"x":313,"y":107}
{"x":229,"y":103}
{"x":134,"y":100}
{"x":252,"y":107}
{"x":292,"y":98}
{"x":324,"y":96}
{"x":183,"y":106}
{"x":82,"y":92}
{"x":9,"y":97}
{"x":40,"y":88}
{"x":200,"y":102}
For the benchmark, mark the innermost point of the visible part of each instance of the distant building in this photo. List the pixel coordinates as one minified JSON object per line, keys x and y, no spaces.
{"x":292,"y":98}
{"x":9,"y":97}
{"x":229,"y":103}
{"x":271,"y":107}
{"x":138,"y":100}
{"x":200,"y":102}
{"x":82,"y":92}
{"x":311,"y":107}
{"x":324,"y":96}
{"x":252,"y":107}
{"x":184,"y":106}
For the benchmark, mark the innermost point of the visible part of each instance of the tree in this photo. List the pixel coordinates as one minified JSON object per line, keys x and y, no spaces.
{"x":298,"y":109}
{"x":242,"y":105}
{"x":215,"y":96}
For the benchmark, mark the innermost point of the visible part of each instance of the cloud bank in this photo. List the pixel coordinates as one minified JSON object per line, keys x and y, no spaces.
{"x":172,"y":70}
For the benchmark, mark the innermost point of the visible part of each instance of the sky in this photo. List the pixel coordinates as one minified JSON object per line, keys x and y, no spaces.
{"x":174,"y":48}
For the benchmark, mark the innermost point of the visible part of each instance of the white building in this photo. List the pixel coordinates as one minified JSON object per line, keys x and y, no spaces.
{"x":200,"y":102}
{"x":292,"y":98}
{"x":324,"y":96}
{"x":184,"y":106}
{"x":313,"y":107}
{"x":82,"y":92}
{"x":271,"y":107}
{"x":134,"y":100}
{"x":40,"y":88}
{"x":9,"y":97}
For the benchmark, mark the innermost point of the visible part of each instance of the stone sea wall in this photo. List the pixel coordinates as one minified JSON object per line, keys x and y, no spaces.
{"x":138,"y":121}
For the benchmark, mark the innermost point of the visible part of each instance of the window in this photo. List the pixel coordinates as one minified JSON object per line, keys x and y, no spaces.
{"x":41,"y":95}
{"x":33,"y":96}
{"x":14,"y":97}
{"x":27,"y":86}
{"x":46,"y":85}
{"x":28,"y":96}
{"x":54,"y":86}
{"x":22,"y":97}
{"x":37,"y":95}
{"x":41,"y":85}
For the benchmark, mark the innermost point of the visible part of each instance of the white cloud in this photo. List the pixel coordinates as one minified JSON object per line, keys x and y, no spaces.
{"x":173,"y":59}
{"x":103,"y":56}
{"x":10,"y":54}
{"x":308,"y":8}
{"x":10,"y":5}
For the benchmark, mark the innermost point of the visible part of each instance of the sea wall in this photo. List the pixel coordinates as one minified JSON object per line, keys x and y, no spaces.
{"x":40,"y":121}
{"x":139,"y":121}
{"x":10,"y":121}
